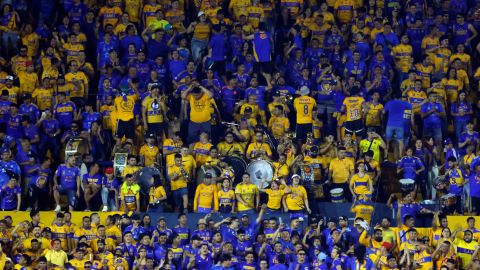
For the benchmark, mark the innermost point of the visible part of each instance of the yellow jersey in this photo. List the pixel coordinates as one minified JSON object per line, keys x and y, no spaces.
{"x":156,"y":193}
{"x":13,"y":93}
{"x":179,"y":182}
{"x":153,"y":110}
{"x":465,"y":250}
{"x":424,"y":73}
{"x":124,"y":107}
{"x":415,"y":98}
{"x":374,"y":146}
{"x":373,"y":115}
{"x":353,"y":107}
{"x":364,"y":211}
{"x":239,"y":7}
{"x":202,"y":31}
{"x":72,"y":51}
{"x":132,"y":7}
{"x":452,"y":86}
{"x":341,"y":169}
{"x":43,"y":97}
{"x":130,"y":170}
{"x":280,"y":170}
{"x":296,"y":199}
{"x":254,"y":148}
{"x":304,"y":106}
{"x":226,"y":197}
{"x":90,"y":233}
{"x":403,"y":57}
{"x":228,"y":149}
{"x":79,"y":90}
{"x":344,"y":9}
{"x":201,"y":152}
{"x":150,"y":13}
{"x":423,"y":259}
{"x":60,"y":232}
{"x":28,"y":82}
{"x":429,"y":42}
{"x":200,"y":110}
{"x":205,"y":195}
{"x":110,"y":15}
{"x":274,"y":198}
{"x":255,"y":15}
{"x":248,"y":193}
{"x":279,"y":125}
{"x":130,"y":195}
{"x":106,"y":111}
{"x":361,"y":184}
{"x":150,"y":154}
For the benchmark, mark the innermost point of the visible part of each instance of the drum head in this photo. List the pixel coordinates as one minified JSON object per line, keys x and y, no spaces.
{"x":260,"y":170}
{"x":238,"y":165}
{"x":336,"y":191}
{"x":214,"y":170}
{"x":144,"y":176}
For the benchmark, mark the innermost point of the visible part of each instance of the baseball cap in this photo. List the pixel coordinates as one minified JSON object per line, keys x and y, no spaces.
{"x":371,"y":129}
{"x":150,"y":136}
{"x":109,"y":170}
{"x":200,"y":13}
{"x":248,"y":109}
{"x":208,"y":175}
{"x":9,"y":78}
{"x":447,"y":141}
{"x":295,"y":175}
{"x":342,"y":218}
{"x":27,"y":96}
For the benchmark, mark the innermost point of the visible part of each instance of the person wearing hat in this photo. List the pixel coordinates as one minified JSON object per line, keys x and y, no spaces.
{"x":12,"y":90}
{"x":201,"y":34}
{"x":154,"y":113}
{"x":149,"y":153}
{"x":303,"y":106}
{"x":296,"y":202}
{"x":206,"y":196}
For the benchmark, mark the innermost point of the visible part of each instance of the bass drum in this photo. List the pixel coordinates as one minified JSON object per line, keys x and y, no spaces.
{"x":260,"y":170}
{"x":144,"y":176}
{"x":238,"y":165}
{"x":214,"y":170}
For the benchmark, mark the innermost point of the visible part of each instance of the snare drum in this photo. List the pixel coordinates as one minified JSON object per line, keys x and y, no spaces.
{"x":407,"y":185}
{"x":448,"y":200}
{"x":337,"y":195}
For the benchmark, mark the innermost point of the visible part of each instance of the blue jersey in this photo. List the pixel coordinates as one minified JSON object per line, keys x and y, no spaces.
{"x":89,"y":118}
{"x":50,"y":126}
{"x":410,"y":165}
{"x":261,"y":47}
{"x":203,"y":263}
{"x":92,"y":179}
{"x":217,"y":43}
{"x":4,"y":110}
{"x":399,"y":111}
{"x":259,"y":93}
{"x":9,"y":197}
{"x":68,"y":177}
{"x":31,"y":110}
{"x":30,"y":132}
{"x":474,"y":137}
{"x":64,"y":113}
{"x":456,"y":176}
{"x":14,"y":127}
{"x":11,"y":165}
{"x":432,"y":120}
{"x":184,"y":234}
{"x":475,"y":185}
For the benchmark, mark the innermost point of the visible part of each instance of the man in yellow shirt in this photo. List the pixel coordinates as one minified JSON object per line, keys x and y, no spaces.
{"x":278,"y":124}
{"x":55,"y":256}
{"x":201,"y":149}
{"x":296,"y":202}
{"x":353,"y":107}
{"x":179,"y":177}
{"x":154,"y":113}
{"x":373,"y":142}
{"x":248,"y":197}
{"x":304,"y":105}
{"x":43,"y":95}
{"x":130,"y":194}
{"x":402,"y":54}
{"x":229,"y":147}
{"x":80,"y":80}
{"x":259,"y":148}
{"x":200,"y":100}
{"x":340,"y":171}
{"x":124,"y":105}
{"x":206,"y":196}
{"x":149,"y":152}
{"x":465,"y":246}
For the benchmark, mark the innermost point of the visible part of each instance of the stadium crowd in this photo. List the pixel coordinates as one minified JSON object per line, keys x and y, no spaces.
{"x":243,"y":111}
